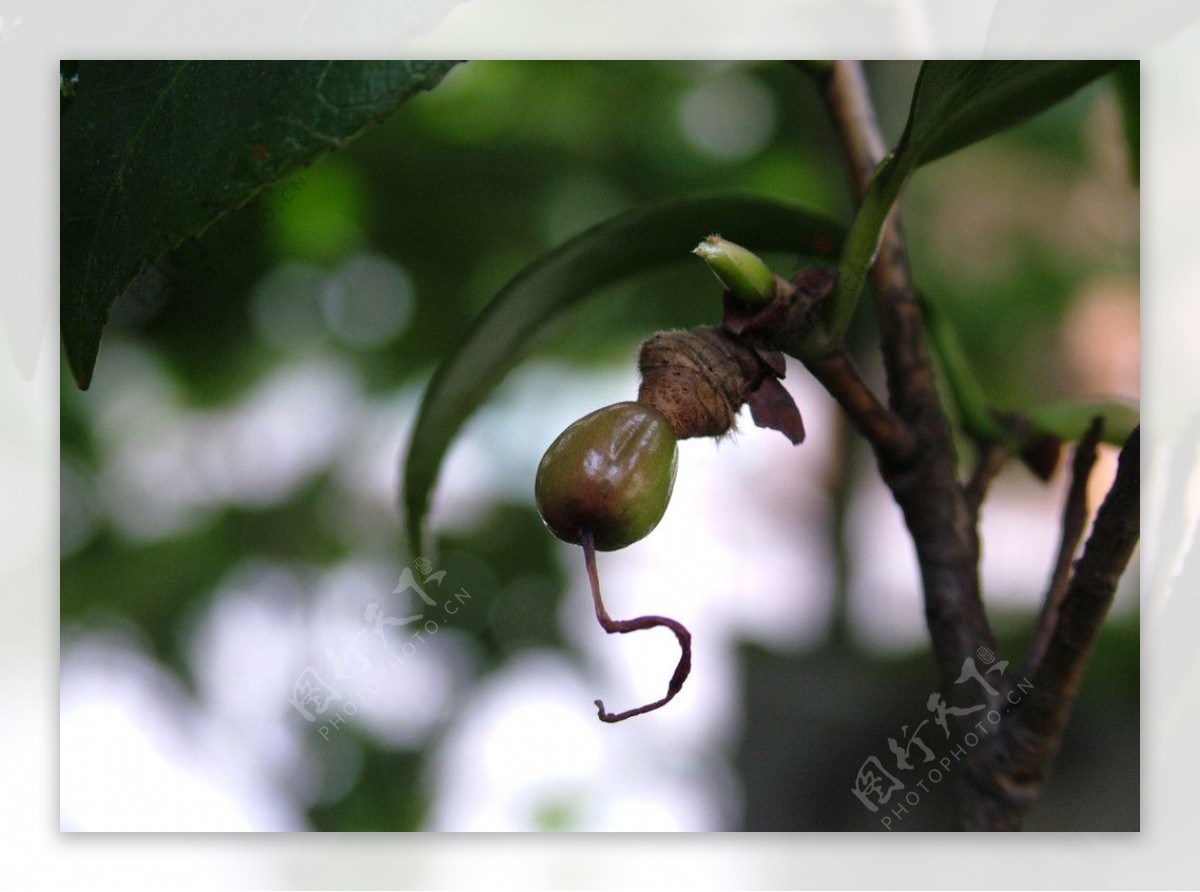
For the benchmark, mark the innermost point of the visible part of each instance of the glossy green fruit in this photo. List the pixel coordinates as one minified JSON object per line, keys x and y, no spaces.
{"x":610,"y":472}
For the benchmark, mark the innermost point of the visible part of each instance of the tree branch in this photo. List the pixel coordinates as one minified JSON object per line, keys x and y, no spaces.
{"x":1033,"y":733}
{"x":1074,"y":520}
{"x":988,"y":465}
{"x":880,"y":426}
{"x":1003,"y":773}
{"x":846,"y":95}
{"x":926,"y":488}
{"x":935,"y":506}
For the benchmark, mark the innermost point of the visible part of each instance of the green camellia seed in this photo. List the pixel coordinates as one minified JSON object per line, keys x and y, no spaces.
{"x":610,"y":472}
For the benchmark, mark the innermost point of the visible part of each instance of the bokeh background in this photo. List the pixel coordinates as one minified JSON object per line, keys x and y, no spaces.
{"x":230,"y":484}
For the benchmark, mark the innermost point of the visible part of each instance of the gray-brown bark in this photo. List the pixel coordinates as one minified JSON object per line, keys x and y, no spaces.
{"x":1003,"y":773}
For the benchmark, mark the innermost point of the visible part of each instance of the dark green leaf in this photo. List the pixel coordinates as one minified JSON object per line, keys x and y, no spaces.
{"x":630,"y":243}
{"x":153,"y":152}
{"x":1128,"y":78}
{"x":1069,"y":420}
{"x":957,"y":103}
{"x":954,"y":104}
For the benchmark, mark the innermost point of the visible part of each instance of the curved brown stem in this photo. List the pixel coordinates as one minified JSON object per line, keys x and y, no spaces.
{"x":622,"y":626}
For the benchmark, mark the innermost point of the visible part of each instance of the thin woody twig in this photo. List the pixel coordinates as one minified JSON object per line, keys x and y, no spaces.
{"x":878,"y":424}
{"x":902,"y":333}
{"x":1074,"y":521}
{"x":1003,"y":774}
{"x":862,"y":144}
{"x":935,"y":504}
{"x":992,"y":457}
{"x":926,"y":488}
{"x":1033,"y":738}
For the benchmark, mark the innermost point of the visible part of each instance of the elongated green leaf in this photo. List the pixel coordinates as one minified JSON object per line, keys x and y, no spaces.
{"x":153,"y":152}
{"x":1070,"y":419}
{"x":1063,"y":421}
{"x":954,"y":104}
{"x":957,"y":103}
{"x":633,"y":242}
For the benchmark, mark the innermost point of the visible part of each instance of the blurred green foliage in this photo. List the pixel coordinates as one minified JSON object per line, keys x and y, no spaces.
{"x":465,"y":185}
{"x":154,"y":151}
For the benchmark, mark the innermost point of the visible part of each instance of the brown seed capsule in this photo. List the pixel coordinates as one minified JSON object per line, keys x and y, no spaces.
{"x":694,"y":379}
{"x":699,"y":379}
